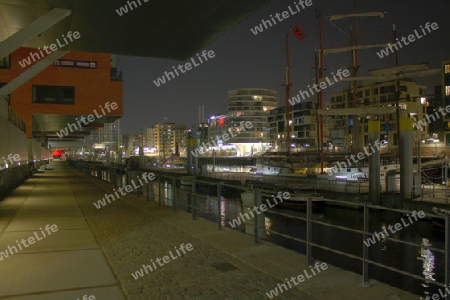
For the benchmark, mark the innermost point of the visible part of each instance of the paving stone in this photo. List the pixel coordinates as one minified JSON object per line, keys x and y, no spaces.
{"x":130,"y":238}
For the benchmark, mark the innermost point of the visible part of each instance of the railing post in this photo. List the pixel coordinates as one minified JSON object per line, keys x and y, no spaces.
{"x":148,"y":190}
{"x":308,"y":229}
{"x":159,"y":191}
{"x":174,"y":203}
{"x":256,"y":202}
{"x":447,"y":250}
{"x":219,"y":197}
{"x":365,"y":248}
{"x":423,"y":187}
{"x":194,"y":202}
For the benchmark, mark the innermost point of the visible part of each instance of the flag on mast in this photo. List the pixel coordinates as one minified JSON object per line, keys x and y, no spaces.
{"x":298,"y":32}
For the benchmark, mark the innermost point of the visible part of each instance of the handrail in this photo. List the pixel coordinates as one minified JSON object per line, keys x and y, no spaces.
{"x":15,"y":119}
{"x":366,"y":261}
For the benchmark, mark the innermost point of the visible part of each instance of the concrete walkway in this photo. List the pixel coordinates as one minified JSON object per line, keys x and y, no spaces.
{"x":68,"y":263}
{"x":96,"y":251}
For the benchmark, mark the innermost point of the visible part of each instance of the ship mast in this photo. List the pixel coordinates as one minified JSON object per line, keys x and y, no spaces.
{"x":356,"y":126}
{"x":354,"y":78}
{"x":288,"y":88}
{"x":319,"y":72}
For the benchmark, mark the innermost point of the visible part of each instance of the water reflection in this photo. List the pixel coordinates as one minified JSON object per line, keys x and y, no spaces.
{"x":167,"y":194}
{"x":268,"y":222}
{"x":384,"y":234}
{"x":428,"y":264}
{"x":223,"y":210}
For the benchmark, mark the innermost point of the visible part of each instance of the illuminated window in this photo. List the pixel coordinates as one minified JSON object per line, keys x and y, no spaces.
{"x":75,"y":64}
{"x":447,"y":69}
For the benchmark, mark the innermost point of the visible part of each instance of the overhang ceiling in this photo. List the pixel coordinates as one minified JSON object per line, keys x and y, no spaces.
{"x":173,"y":29}
{"x":50,"y":124}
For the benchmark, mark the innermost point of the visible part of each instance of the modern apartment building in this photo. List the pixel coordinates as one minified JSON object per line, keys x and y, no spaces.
{"x":217,"y":125}
{"x":254,"y":105}
{"x":202,"y":132}
{"x":129,"y":144}
{"x":412,"y":104}
{"x":170,"y":139}
{"x":244,"y":105}
{"x":303,"y":128}
{"x":446,"y":99}
{"x":149,"y":138}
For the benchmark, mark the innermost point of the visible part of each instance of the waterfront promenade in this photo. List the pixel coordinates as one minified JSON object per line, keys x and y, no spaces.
{"x":95,"y":251}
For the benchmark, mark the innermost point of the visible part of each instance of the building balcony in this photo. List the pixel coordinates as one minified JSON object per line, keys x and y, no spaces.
{"x":116,"y":75}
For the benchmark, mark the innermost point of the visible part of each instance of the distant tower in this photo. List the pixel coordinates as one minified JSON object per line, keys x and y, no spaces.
{"x":201,"y":114}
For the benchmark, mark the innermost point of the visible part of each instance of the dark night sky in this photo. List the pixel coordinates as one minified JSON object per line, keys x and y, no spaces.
{"x":246,"y":60}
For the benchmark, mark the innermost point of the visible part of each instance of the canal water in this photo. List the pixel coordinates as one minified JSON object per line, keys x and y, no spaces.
{"x":420,"y":261}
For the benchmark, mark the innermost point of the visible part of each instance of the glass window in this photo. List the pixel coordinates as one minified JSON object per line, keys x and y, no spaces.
{"x":82,"y":64}
{"x":76,"y":64}
{"x":68,"y":95}
{"x":5,"y":62}
{"x":53,"y":94}
{"x":68,"y":63}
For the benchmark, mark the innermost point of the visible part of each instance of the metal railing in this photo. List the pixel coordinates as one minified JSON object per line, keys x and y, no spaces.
{"x":363,"y":232}
{"x":177,"y":192}
{"x":15,"y":119}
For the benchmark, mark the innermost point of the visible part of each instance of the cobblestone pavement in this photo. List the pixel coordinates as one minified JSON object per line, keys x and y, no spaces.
{"x":130,"y":238}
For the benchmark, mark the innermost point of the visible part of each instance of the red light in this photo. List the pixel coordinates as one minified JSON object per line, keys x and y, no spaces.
{"x":58,"y":153}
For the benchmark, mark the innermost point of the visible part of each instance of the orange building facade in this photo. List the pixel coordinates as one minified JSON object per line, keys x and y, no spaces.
{"x":75,"y":85}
